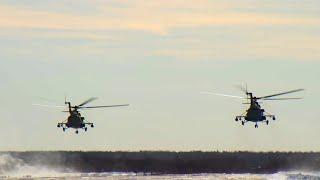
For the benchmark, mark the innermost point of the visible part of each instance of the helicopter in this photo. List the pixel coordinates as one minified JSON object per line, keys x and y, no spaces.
{"x":255,"y":113}
{"x":75,"y":119}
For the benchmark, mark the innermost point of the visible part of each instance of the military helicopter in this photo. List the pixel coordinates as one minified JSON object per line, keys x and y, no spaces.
{"x":75,"y":120}
{"x":255,"y":113}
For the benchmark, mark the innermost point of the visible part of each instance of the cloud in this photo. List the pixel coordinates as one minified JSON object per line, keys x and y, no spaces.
{"x":205,"y":29}
{"x":152,"y":16}
{"x":244,"y":43}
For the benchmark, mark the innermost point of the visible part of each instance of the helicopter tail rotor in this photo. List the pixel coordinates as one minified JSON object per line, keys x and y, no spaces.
{"x":247,"y":93}
{"x":241,"y":88}
{"x":245,"y":90}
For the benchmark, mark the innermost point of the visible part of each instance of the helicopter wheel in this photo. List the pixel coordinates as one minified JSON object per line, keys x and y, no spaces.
{"x":256,"y":126}
{"x":85,"y":129}
{"x":64,"y":129}
{"x":92,"y":125}
{"x":77,"y":131}
{"x":267,"y":122}
{"x":242,"y":122}
{"x":58,"y":125}
{"x":236,"y":119}
{"x":273,"y":118}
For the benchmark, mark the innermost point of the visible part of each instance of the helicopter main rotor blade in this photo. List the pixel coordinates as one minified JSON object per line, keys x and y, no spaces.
{"x":281,"y":98}
{"x":288,"y":92}
{"x":87,"y":101}
{"x":225,"y":95}
{"x":46,"y":105}
{"x":90,"y":107}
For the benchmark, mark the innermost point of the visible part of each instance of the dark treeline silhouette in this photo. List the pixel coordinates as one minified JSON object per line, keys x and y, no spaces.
{"x":173,"y":162}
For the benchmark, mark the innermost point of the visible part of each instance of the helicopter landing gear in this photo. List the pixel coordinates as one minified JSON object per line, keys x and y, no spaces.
{"x":273,"y":118}
{"x":256,"y":126}
{"x":267,"y":122}
{"x":242,"y":122}
{"x":92,"y":125}
{"x":85,"y":129}
{"x":77,"y":131}
{"x":64,"y":129}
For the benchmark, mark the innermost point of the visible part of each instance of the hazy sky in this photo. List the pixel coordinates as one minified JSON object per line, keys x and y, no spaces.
{"x":158,"y":56}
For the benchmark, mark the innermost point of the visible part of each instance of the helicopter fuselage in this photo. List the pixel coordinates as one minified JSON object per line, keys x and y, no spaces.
{"x":75,"y":120}
{"x":255,"y":113}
